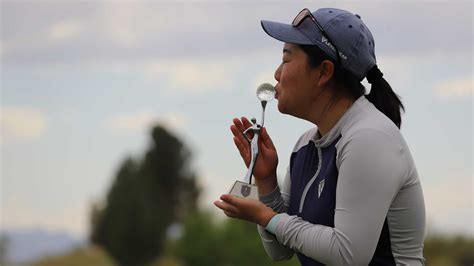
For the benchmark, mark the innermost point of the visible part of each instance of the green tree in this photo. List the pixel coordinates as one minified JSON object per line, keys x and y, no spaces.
{"x":449,"y":250}
{"x":3,"y":248}
{"x":145,"y":198}
{"x":228,"y":243}
{"x":200,"y":242}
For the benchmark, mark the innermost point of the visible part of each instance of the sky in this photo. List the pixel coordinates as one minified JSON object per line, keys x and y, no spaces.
{"x":82,"y":82}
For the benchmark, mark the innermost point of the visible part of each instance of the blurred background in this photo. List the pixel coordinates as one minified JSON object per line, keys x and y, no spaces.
{"x":115,"y":121}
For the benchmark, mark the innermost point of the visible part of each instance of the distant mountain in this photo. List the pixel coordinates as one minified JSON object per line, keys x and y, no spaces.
{"x":27,"y":245}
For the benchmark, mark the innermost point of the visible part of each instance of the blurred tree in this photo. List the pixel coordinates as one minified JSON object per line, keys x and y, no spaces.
{"x":145,"y":198}
{"x":231,"y":242}
{"x":449,"y":250}
{"x":3,"y":248}
{"x":200,"y":243}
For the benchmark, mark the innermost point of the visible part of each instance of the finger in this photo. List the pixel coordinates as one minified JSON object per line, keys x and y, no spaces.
{"x":241,"y":143}
{"x":243,"y":149}
{"x":238,"y":134}
{"x":246,"y":123}
{"x":226,"y":207}
{"x":230,"y":214}
{"x":241,"y":129}
{"x":240,"y":146}
{"x":239,"y":125}
{"x":232,"y":200}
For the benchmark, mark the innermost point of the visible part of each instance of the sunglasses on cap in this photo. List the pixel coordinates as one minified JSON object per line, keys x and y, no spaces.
{"x":305,"y":13}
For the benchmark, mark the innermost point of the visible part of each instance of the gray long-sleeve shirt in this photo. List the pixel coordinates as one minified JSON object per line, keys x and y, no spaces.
{"x":352,"y":197}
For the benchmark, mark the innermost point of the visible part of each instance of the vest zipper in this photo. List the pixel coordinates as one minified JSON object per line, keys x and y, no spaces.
{"x":310,"y":183}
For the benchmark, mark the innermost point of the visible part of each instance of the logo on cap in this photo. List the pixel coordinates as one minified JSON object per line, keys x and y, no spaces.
{"x":328,"y":43}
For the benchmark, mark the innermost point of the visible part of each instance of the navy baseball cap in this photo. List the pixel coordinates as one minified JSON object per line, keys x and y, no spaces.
{"x":340,"y":34}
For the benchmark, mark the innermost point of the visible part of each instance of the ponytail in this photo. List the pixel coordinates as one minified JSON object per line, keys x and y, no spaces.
{"x":381,"y":94}
{"x":383,"y":97}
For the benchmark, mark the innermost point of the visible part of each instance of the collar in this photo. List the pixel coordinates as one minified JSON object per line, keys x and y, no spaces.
{"x":335,"y":132}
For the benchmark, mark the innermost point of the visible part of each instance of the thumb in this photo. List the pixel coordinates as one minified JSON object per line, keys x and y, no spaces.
{"x":266,"y":140}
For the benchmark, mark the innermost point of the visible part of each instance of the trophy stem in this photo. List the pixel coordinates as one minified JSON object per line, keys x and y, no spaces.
{"x":264,"y":104}
{"x":255,"y":151}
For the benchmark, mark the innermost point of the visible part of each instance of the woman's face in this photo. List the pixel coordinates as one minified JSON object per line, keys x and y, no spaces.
{"x":297,"y":86}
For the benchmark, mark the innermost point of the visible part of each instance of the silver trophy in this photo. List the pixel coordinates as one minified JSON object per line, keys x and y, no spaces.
{"x":245,"y":189}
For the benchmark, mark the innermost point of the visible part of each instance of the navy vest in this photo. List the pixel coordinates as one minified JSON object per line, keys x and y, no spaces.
{"x":320,"y":200}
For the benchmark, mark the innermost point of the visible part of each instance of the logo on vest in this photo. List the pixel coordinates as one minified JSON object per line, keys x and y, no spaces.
{"x":321,"y":187}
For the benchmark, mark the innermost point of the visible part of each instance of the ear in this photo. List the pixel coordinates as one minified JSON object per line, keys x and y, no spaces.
{"x":326,"y":71}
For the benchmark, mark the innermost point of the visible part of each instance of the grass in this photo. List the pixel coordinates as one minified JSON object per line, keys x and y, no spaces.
{"x":90,"y":256}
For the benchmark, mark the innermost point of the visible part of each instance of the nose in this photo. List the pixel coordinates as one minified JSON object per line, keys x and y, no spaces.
{"x":278,"y":73}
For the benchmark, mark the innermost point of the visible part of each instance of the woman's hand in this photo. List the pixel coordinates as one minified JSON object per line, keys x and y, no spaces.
{"x":246,"y":209}
{"x":267,"y":161}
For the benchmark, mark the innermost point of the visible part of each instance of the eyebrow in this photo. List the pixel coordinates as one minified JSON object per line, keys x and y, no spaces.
{"x":286,"y":50}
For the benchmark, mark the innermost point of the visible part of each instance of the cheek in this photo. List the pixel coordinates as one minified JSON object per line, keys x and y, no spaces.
{"x":292,"y":75}
{"x":288,"y":84}
{"x":287,"y":76}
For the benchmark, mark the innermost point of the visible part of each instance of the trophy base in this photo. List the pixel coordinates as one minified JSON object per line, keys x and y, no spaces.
{"x":244,"y":190}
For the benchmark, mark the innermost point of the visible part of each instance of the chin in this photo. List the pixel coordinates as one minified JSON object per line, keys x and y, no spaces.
{"x":281,"y":108}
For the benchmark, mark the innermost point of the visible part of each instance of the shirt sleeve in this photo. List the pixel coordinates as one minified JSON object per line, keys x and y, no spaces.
{"x":279,"y":202}
{"x":371,"y":166}
{"x":271,"y":226}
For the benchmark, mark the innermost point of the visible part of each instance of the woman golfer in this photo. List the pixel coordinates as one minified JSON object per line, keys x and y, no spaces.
{"x":351,"y":195}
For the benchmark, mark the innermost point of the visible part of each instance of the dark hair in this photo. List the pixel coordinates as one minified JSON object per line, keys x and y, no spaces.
{"x":381,"y":94}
